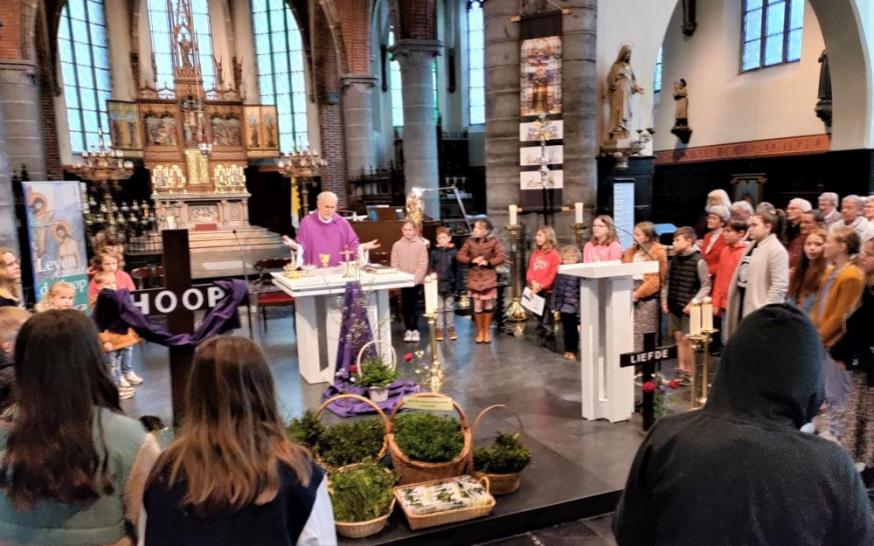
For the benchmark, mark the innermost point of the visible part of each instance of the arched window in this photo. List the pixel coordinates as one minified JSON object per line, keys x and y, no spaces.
{"x":476,"y":62}
{"x":771,"y":32}
{"x":394,"y":80}
{"x":85,"y":71}
{"x":281,"y":73}
{"x":162,"y":40}
{"x":657,"y":76}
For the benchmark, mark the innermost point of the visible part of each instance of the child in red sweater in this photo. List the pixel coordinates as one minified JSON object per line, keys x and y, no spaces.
{"x":734,"y":234}
{"x":542,"y":270}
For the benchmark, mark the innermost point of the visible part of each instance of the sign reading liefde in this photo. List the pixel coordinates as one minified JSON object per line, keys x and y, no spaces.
{"x":655,"y":355}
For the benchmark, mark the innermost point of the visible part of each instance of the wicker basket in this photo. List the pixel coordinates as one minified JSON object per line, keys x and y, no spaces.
{"x":410,"y":471}
{"x":423,"y":521}
{"x":379,"y":412}
{"x":361,"y":529}
{"x":501,"y":484}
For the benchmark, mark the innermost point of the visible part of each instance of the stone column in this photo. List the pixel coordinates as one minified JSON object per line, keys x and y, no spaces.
{"x":8,"y":227}
{"x":119,"y":41}
{"x":579,"y":100}
{"x":20,"y":102}
{"x":244,"y":50}
{"x":358,"y":122}
{"x":421,"y":168}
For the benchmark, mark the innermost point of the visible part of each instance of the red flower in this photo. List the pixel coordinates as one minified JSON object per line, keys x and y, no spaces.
{"x":353,"y":369}
{"x":649,"y":386}
{"x":674,"y":384}
{"x":408,"y":357}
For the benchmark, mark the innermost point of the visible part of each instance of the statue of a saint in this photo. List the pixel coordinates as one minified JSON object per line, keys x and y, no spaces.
{"x":185,"y":52}
{"x":621,"y":86}
{"x":681,"y":96}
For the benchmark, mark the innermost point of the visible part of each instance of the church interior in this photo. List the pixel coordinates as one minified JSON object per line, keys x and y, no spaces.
{"x":368,"y":200}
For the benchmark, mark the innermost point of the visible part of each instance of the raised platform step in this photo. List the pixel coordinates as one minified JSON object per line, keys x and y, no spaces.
{"x":554,"y":490}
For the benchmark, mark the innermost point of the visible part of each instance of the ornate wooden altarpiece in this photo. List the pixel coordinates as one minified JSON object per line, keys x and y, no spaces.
{"x":195,"y":142}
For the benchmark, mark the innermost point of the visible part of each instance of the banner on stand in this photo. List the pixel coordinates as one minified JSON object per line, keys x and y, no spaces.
{"x":56,"y":235}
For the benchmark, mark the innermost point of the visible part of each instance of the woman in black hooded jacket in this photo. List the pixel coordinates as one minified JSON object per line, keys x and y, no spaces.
{"x":740,"y":471}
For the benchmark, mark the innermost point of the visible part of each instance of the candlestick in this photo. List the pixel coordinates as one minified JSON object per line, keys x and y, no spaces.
{"x":578,"y":213}
{"x":513,"y":213}
{"x":707,"y":315}
{"x":515,"y":312}
{"x":695,"y":318}
{"x":431,"y":294}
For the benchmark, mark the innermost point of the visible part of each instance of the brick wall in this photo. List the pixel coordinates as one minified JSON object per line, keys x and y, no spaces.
{"x":355,"y":31}
{"x":327,"y":79}
{"x":51,"y":149}
{"x":418,"y":19}
{"x":10,"y":34}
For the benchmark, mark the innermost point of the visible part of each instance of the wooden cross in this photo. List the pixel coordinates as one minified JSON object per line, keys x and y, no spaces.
{"x":647,"y":360}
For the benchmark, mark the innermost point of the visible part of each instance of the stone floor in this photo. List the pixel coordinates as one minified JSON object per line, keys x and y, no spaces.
{"x":572,"y":457}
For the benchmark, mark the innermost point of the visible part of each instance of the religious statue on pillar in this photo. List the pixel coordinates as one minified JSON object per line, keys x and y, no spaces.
{"x":621,"y":87}
{"x":681,"y":117}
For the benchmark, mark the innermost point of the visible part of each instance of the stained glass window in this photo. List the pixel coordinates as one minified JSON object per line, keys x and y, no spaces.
{"x":394,"y":84}
{"x":162,"y":40}
{"x":771,"y":32}
{"x":281,"y":73}
{"x":476,"y":62}
{"x":657,"y":77}
{"x":85,"y":71}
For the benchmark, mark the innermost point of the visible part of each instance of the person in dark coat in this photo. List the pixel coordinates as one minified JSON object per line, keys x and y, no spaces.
{"x":442,"y":261}
{"x":740,"y":471}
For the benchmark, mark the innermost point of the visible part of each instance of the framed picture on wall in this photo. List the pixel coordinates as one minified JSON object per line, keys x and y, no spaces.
{"x":748,"y":187}
{"x":124,"y":125}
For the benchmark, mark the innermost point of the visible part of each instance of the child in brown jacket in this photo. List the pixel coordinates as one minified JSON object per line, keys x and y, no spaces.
{"x":483,"y":252}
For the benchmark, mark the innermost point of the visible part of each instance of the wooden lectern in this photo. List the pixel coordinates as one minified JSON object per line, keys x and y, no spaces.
{"x":606,"y":331}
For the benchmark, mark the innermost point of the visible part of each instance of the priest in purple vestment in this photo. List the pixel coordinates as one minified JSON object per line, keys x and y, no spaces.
{"x":325,"y":232}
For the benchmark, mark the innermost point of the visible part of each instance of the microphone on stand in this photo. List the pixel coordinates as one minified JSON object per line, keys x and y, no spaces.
{"x":246,"y":278}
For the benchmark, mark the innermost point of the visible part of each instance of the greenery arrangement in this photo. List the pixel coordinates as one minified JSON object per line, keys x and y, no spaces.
{"x":339,"y":444}
{"x":375,"y":373}
{"x":362,"y":493}
{"x":306,"y":429}
{"x":506,"y":456}
{"x":427,"y":437}
{"x":350,"y":443}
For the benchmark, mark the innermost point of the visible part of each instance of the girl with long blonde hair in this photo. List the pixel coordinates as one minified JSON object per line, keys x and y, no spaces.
{"x":10,"y":276}
{"x":232,"y":476}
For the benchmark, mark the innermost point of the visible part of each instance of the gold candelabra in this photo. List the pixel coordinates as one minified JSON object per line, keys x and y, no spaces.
{"x":302,"y":165}
{"x":103,"y":166}
{"x":700,"y":336}
{"x":515,"y":312}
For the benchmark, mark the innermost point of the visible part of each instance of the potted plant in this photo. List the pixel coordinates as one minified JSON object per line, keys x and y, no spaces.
{"x":376,"y":376}
{"x":363,"y":499}
{"x":502,"y":462}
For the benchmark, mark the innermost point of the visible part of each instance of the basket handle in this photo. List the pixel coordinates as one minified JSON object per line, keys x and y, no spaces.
{"x":385,"y":422}
{"x":391,"y":420}
{"x":392,"y":363}
{"x":493,"y":407}
{"x":484,"y":480}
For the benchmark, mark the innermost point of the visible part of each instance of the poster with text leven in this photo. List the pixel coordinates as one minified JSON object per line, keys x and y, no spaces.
{"x":56,"y":236}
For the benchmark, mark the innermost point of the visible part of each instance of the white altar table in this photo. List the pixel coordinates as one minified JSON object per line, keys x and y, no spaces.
{"x":318,"y":304}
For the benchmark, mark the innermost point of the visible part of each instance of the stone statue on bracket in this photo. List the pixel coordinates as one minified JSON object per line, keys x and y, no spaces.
{"x":681,"y":115}
{"x":621,"y":87}
{"x":824,"y":94}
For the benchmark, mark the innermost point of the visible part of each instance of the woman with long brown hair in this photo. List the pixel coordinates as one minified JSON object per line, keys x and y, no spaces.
{"x":72,"y":467}
{"x":807,"y":276}
{"x":231,"y":476}
{"x":10,"y":276}
{"x":647,"y":287}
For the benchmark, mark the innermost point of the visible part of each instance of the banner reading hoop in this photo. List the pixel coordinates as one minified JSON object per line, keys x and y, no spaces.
{"x":160,"y":301}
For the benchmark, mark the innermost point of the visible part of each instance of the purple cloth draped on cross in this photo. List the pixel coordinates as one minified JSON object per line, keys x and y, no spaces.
{"x":116,"y":312}
{"x":354,"y":334}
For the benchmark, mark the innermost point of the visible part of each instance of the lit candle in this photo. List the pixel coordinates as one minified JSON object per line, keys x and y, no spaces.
{"x":513,"y":211}
{"x":431,"y":294}
{"x":707,"y":315}
{"x":578,"y":213}
{"x":695,"y":318}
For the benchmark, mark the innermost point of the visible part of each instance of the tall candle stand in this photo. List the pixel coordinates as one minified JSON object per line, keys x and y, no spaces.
{"x":435,"y":369}
{"x":700,"y":390}
{"x":515,"y":312}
